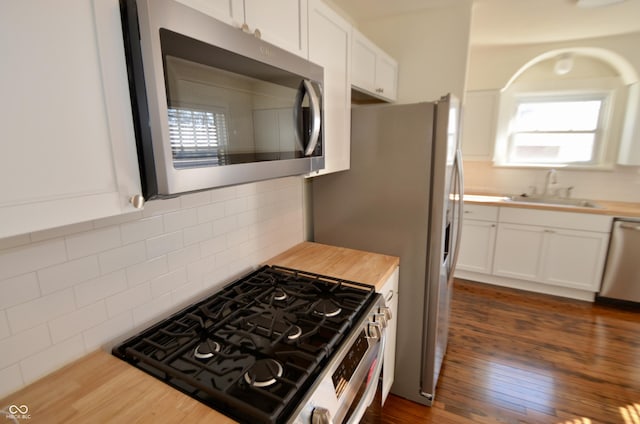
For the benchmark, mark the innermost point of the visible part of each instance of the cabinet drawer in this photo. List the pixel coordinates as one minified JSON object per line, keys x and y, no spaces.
{"x":566,"y":220}
{"x":482,"y":213}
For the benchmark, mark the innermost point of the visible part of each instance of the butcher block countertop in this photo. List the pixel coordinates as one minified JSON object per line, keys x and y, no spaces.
{"x":611,"y":208}
{"x":101,"y":388}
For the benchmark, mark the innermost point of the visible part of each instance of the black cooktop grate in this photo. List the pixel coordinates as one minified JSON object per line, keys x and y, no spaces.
{"x":275,"y":320}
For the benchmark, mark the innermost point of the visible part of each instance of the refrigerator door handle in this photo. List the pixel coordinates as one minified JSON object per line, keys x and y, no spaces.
{"x":458,"y":198}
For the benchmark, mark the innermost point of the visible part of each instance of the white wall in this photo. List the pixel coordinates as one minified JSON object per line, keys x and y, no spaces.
{"x":492,"y":67}
{"x":68,"y":291}
{"x":431,"y":48}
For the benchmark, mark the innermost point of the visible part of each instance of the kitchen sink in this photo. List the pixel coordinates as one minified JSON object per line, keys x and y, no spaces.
{"x":559,"y":201}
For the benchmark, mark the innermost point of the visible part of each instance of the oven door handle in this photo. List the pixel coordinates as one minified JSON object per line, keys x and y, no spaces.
{"x":370,"y":392}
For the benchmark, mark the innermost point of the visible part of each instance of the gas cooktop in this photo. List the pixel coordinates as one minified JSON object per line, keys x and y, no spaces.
{"x":253,"y":349}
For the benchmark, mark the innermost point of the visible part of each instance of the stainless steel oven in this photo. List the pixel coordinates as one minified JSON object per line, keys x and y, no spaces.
{"x":276,"y":346}
{"x":214,"y":106}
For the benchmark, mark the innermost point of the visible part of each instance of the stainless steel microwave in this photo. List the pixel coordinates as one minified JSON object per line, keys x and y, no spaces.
{"x":214,"y":106}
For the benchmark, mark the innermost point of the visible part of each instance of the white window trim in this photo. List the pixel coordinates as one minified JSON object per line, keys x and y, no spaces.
{"x":604,"y":157}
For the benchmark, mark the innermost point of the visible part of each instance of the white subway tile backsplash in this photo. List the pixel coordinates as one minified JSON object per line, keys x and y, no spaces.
{"x":195,"y":199}
{"x":235,"y":206}
{"x":20,"y":289}
{"x":4,"y":326}
{"x":77,"y":321}
{"x":182,"y":257}
{"x":145,"y":271}
{"x":10,"y":380}
{"x":225,"y":193}
{"x":210,"y":212}
{"x":40,"y":310}
{"x":224,"y":225}
{"x":152,"y":311}
{"x":18,"y":346}
{"x":213,"y":246}
{"x":100,"y":288}
{"x":92,"y":242}
{"x":197,"y":233}
{"x":56,"y":356}
{"x":141,"y":229}
{"x":67,"y":291}
{"x":128,"y":299}
{"x":237,"y":236}
{"x":68,"y":274}
{"x":114,"y":328}
{"x":178,"y":220}
{"x":186,"y":294}
{"x":164,"y":244}
{"x":31,"y":257}
{"x":122,"y":257}
{"x":196,"y":270}
{"x":168,"y":282}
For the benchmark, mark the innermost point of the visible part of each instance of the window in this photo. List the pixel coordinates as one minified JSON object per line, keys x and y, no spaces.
{"x":198,"y":137}
{"x":556,"y":130}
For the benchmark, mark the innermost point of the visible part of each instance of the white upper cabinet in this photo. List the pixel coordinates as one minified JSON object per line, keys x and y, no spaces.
{"x":372,"y":70}
{"x":68,"y":149}
{"x":280,"y":22}
{"x":329,"y":47}
{"x":479,"y":119}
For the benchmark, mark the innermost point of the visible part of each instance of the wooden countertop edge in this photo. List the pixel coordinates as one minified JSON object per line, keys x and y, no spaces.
{"x":610,"y":208}
{"x":102,"y":388}
{"x":340,"y":262}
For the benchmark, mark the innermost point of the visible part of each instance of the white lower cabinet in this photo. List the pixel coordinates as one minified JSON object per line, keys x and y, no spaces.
{"x":390,"y":293}
{"x":478,"y":238}
{"x":559,"y":253}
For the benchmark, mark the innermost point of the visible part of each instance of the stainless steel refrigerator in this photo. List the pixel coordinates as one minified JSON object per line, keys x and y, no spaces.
{"x":402,"y":197}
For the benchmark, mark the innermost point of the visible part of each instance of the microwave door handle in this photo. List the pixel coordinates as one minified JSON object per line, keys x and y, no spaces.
{"x":316,"y":120}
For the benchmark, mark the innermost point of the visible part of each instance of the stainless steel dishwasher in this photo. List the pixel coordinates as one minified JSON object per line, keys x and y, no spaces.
{"x":622,"y":273}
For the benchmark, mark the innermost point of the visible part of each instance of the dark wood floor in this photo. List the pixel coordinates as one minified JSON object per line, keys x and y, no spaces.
{"x":517,"y":357}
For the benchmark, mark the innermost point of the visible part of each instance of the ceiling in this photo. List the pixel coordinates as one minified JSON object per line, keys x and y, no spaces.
{"x":516,"y":21}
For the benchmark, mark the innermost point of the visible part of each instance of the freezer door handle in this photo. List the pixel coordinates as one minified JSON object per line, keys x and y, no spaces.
{"x":630,"y":227}
{"x":459,"y":181}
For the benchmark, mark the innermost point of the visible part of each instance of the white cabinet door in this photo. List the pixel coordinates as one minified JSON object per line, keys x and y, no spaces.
{"x":329,"y":47}
{"x":574,"y":258}
{"x":390,"y":294}
{"x":280,"y":22}
{"x":518,"y":251}
{"x":567,"y":258}
{"x":372,"y":70}
{"x":479,"y":119}
{"x":228,"y":11}
{"x":68,"y":151}
{"x":476,"y":246}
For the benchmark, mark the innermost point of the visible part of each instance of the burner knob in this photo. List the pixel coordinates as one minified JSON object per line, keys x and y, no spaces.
{"x":381,"y":318}
{"x":321,"y":416}
{"x":387,"y":312}
{"x":374,"y":330}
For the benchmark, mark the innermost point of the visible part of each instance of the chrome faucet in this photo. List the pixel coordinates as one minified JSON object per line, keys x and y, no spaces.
{"x":550,"y":180}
